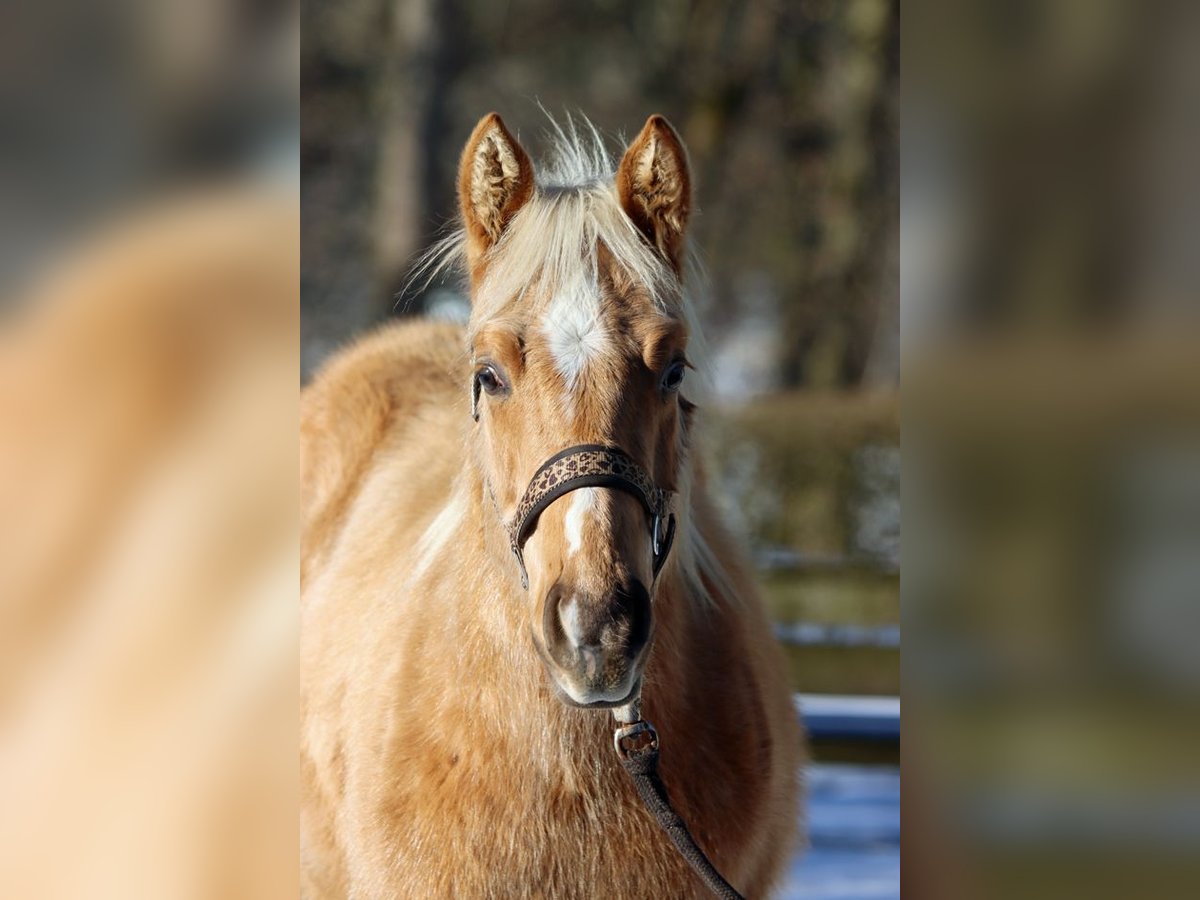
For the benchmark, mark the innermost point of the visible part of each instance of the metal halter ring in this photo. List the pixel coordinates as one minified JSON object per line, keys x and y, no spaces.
{"x":623,"y":740}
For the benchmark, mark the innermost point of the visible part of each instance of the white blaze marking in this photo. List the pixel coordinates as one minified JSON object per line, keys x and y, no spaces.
{"x":582,"y":503}
{"x":575,"y":330}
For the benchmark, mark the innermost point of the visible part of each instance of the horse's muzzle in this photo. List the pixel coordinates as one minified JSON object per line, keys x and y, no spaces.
{"x":595,"y":648}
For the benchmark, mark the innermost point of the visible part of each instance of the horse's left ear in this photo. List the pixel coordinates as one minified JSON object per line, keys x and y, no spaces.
{"x":655,"y":188}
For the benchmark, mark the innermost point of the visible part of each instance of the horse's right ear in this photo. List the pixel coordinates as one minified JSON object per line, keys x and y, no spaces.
{"x":495,"y":179}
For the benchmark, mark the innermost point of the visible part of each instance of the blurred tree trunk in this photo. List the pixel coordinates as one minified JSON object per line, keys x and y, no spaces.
{"x":839,"y":319}
{"x":409,"y":100}
{"x":876,"y":358}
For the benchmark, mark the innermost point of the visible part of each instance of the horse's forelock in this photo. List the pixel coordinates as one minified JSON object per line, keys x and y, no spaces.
{"x":555,"y":243}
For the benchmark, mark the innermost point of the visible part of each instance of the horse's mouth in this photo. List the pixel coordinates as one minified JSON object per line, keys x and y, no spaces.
{"x":549,"y":667}
{"x":597,"y":704}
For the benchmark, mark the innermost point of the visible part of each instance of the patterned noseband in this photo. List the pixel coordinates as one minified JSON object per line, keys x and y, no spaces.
{"x":592,"y":465}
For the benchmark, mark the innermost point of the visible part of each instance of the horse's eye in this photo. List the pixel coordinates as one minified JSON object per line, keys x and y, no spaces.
{"x":489,"y":380}
{"x":673,"y":377}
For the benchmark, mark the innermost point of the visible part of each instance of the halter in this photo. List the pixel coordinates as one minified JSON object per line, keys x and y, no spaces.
{"x":592,"y":465}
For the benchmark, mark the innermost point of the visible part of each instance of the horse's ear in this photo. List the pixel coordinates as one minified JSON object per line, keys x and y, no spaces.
{"x":655,"y":187}
{"x":495,"y":179}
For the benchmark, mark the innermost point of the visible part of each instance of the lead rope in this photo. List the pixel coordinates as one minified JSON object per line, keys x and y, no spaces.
{"x":637,"y":746}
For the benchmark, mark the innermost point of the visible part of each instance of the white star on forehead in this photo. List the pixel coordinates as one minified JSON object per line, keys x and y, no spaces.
{"x":575,"y":330}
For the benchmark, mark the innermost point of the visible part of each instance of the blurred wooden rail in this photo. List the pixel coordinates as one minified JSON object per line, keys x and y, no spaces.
{"x":809,"y":634}
{"x":839,"y":717}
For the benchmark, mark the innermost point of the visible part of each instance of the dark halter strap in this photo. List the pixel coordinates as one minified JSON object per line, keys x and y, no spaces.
{"x":592,"y":465}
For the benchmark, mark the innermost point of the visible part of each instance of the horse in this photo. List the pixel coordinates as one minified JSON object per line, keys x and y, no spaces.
{"x":460,"y":647}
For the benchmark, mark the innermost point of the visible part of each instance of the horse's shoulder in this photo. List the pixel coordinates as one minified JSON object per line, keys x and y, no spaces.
{"x":357,"y":399}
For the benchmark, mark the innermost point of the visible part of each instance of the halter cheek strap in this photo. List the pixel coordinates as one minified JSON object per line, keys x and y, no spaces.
{"x":592,"y":465}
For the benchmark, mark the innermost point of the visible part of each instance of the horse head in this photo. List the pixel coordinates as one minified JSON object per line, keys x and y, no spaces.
{"x":578,"y":340}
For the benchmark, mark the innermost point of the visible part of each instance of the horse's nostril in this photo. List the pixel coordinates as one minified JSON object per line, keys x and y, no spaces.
{"x":551,"y":617}
{"x":631,"y":604}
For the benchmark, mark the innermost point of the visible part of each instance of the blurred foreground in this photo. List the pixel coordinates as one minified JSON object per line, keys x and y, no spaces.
{"x":148,"y":561}
{"x":149,"y":260}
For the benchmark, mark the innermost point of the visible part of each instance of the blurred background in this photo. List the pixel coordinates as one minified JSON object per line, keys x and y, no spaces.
{"x":789,"y":112}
